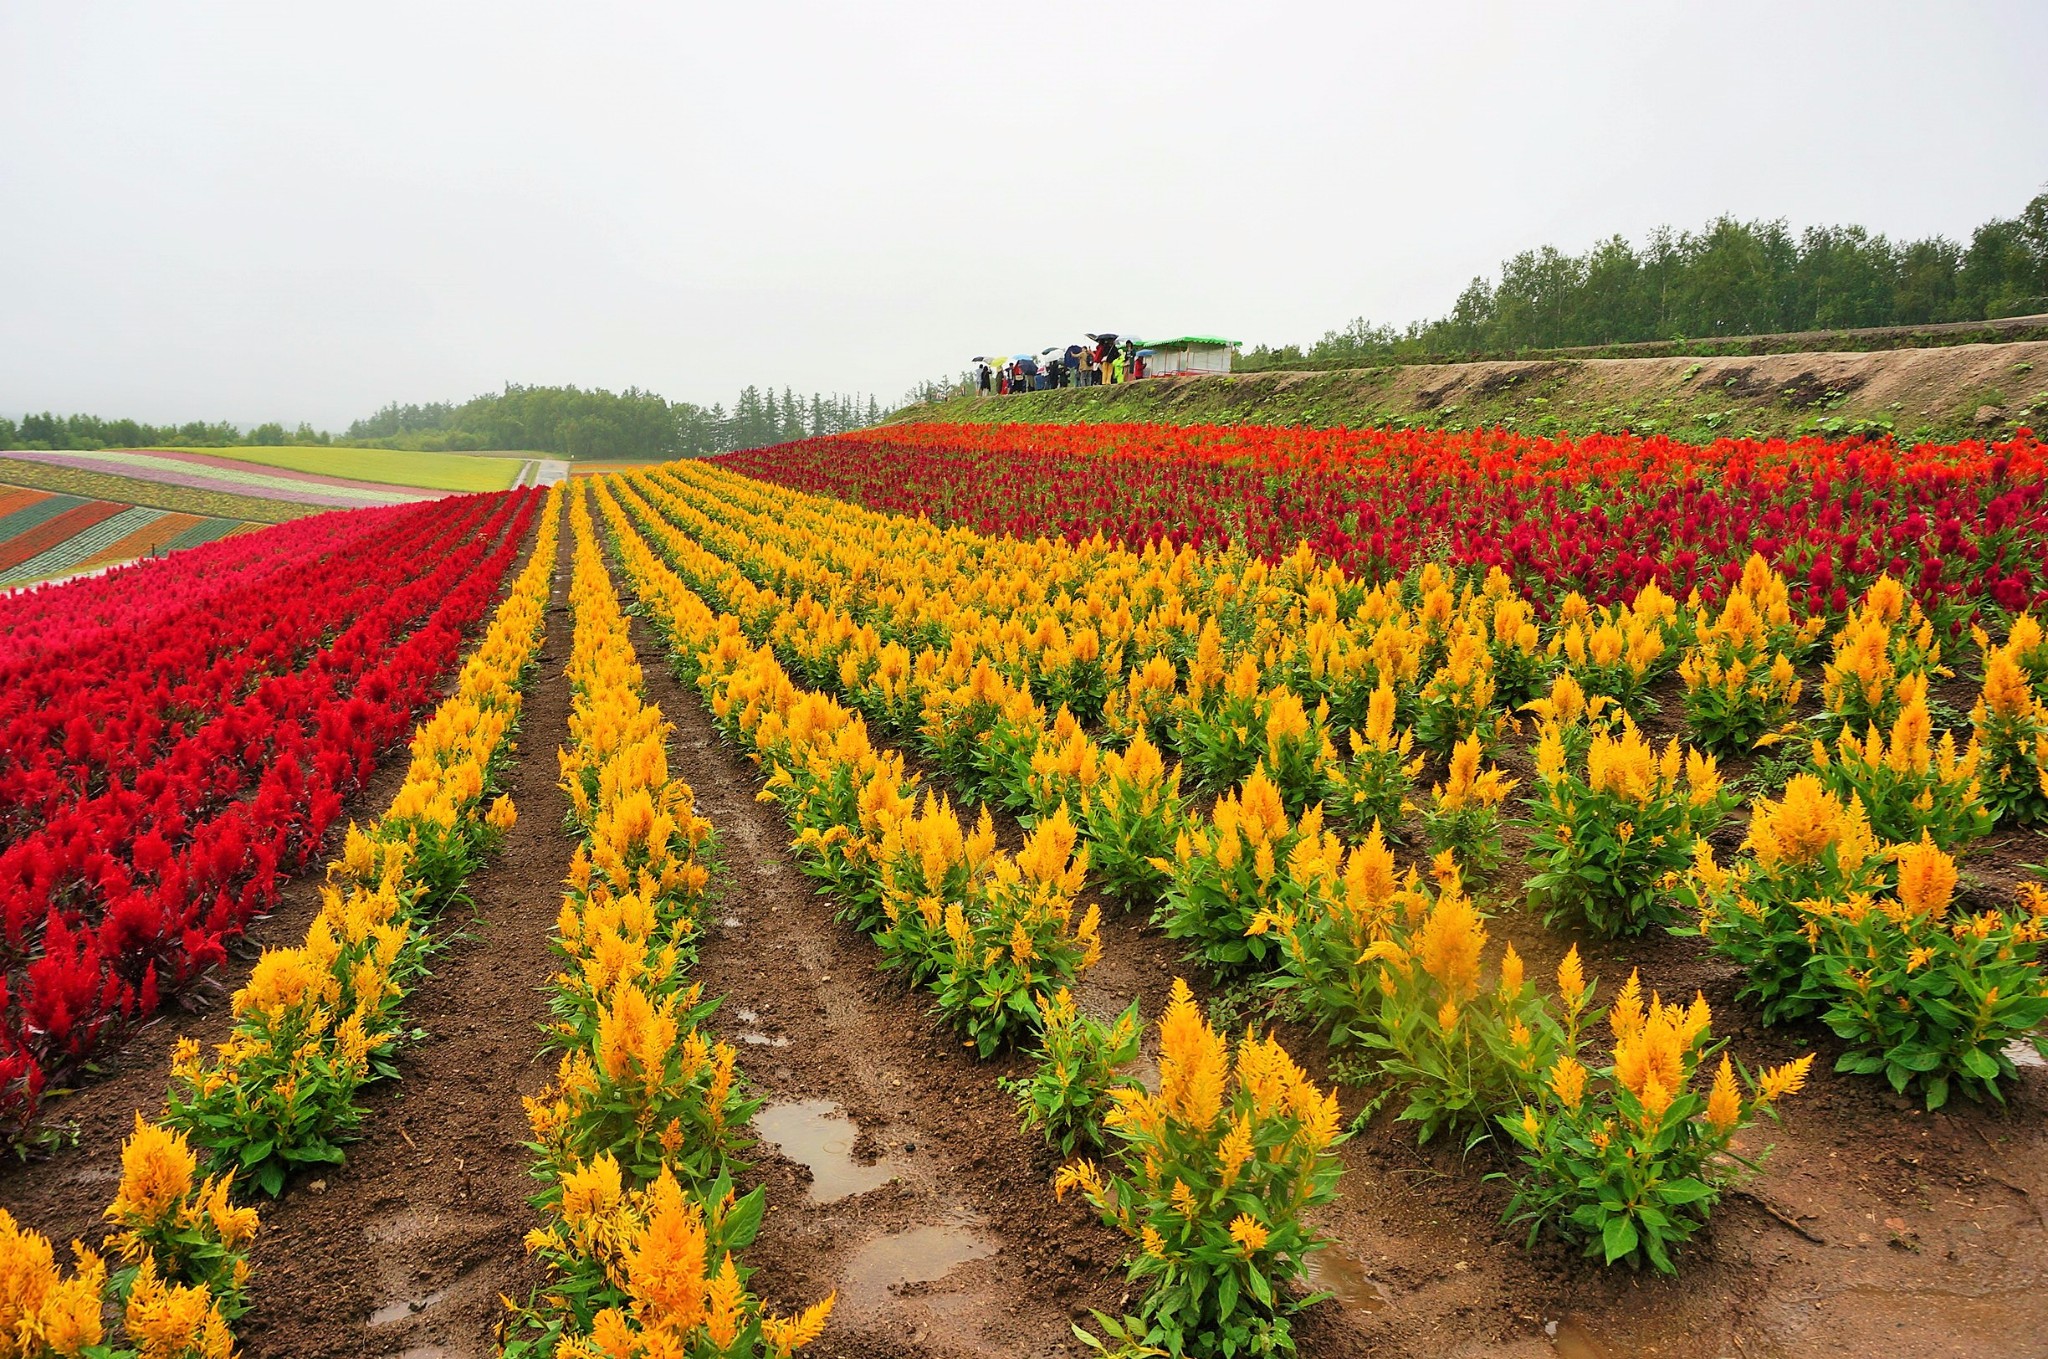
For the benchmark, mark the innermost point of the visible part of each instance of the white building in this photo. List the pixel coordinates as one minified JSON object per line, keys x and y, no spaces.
{"x":1189,"y":354}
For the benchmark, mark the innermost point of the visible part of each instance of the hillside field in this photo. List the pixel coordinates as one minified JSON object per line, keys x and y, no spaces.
{"x":1939,"y":395}
{"x":1413,"y":891}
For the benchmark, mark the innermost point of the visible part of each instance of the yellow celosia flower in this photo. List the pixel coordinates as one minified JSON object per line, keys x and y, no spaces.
{"x":1724,"y":1102}
{"x":1249,"y":1233}
{"x":1568,"y":1081}
{"x":785,"y":1336}
{"x":1571,"y":979}
{"x":1781,"y":1081}
{"x":1449,"y":943}
{"x":156,"y":1175}
{"x":1927,"y":878}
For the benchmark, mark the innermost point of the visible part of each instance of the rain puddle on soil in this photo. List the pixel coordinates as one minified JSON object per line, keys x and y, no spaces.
{"x":1336,"y":1270}
{"x":920,"y":1255}
{"x":816,"y":1135}
{"x":391,"y":1313}
{"x":1573,"y":1341}
{"x":2022,"y":1052}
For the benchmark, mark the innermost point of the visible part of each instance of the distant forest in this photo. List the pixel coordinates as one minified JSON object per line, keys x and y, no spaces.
{"x":568,"y":421}
{"x":1729,"y":278}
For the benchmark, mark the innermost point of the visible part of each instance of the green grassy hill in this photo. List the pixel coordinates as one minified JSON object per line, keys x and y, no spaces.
{"x":1941,"y":394}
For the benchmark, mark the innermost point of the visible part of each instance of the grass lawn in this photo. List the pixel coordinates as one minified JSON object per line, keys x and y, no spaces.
{"x":392,"y":467}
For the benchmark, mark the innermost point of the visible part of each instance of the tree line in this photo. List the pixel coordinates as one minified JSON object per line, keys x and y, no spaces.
{"x":571,"y":422}
{"x":595,"y":423}
{"x":1729,"y":278}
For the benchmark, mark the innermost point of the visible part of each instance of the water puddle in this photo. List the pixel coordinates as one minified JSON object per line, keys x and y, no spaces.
{"x":765,"y":1040}
{"x":2022,"y":1052}
{"x":920,"y":1255}
{"x":747,"y":1016}
{"x":1336,"y":1270}
{"x":816,"y":1135}
{"x":1573,"y":1341}
{"x":391,"y":1313}
{"x":731,"y":922}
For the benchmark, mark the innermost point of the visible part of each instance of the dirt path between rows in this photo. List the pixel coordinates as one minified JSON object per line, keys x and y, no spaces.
{"x":895,"y":1171}
{"x":405,"y":1249}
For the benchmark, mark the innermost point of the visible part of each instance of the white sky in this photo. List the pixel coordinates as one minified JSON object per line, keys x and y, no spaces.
{"x":291,"y":211}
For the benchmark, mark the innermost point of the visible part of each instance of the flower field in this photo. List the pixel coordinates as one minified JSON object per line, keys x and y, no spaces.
{"x":1225,"y":890}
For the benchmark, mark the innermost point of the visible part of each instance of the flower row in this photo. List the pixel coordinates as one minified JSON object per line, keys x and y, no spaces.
{"x":638,"y":1136}
{"x":1216,"y":1171}
{"x":1606,"y":514}
{"x":316,"y":1022}
{"x":312,"y":1024}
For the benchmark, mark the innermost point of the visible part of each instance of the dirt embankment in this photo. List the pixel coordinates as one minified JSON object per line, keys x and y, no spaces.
{"x":1944,"y":394}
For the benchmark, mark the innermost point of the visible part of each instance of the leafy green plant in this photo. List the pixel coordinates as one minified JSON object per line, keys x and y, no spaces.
{"x":1216,"y":1174}
{"x":1080,"y":1063}
{"x":1462,"y":816}
{"x":1629,"y":1160}
{"x":1225,"y":871}
{"x":1131,"y":817}
{"x":1609,"y":837}
{"x":1929,"y":1001}
{"x":1806,"y":845}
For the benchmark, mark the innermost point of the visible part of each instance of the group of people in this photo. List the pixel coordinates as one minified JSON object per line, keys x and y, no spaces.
{"x":1104,"y":360}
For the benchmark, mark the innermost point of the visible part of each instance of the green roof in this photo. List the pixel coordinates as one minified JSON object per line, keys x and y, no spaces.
{"x":1190,"y":339}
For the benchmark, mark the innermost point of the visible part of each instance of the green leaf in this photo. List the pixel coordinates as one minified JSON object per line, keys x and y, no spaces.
{"x":1619,"y":1238}
{"x":1686,"y":1191}
{"x":743,"y":1221}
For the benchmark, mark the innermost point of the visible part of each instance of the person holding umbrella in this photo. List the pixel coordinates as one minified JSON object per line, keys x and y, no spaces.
{"x":1105,"y":356}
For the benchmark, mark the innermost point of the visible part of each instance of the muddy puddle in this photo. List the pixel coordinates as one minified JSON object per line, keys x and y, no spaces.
{"x":817,"y":1135}
{"x":391,"y":1313}
{"x":887,"y":1266}
{"x":1337,"y":1271}
{"x":755,"y":1036}
{"x":1572,"y":1340}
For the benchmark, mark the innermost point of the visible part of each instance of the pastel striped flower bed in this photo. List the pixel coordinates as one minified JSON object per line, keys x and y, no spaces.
{"x":64,"y":556}
{"x":135,"y":532}
{"x":241,"y":468}
{"x":241,"y":478}
{"x":54,"y":529}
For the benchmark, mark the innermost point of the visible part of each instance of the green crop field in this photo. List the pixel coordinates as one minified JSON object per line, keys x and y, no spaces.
{"x":392,"y":467}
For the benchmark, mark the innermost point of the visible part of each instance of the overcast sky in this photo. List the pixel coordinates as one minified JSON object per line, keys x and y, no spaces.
{"x":297,"y":211}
